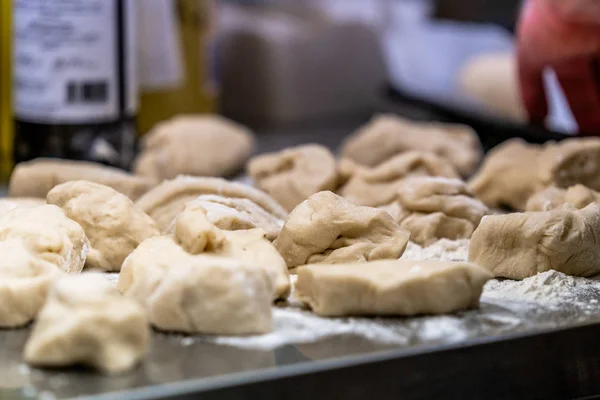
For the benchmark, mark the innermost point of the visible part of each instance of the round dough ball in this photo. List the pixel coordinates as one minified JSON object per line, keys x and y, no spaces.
{"x":24,"y":282}
{"x":328,"y":229}
{"x":197,"y":293}
{"x":167,"y":200}
{"x":388,"y":135}
{"x":37,"y":177}
{"x":112,"y":223}
{"x":86,"y":321}
{"x":202,"y":145}
{"x":292,"y":175}
{"x":48,"y":234}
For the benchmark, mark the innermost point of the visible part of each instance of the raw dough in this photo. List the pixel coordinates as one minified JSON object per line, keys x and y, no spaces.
{"x":508,"y":176}
{"x":203,"y":145}
{"x":10,"y":203}
{"x":24,"y":281}
{"x":114,"y":226}
{"x":48,"y":234}
{"x":397,"y":287}
{"x":197,"y":293}
{"x":164,"y":202}
{"x":291,"y":175}
{"x":233,"y":214}
{"x":552,"y":197}
{"x":196,"y":234}
{"x":377,"y":186}
{"x":433,"y":208}
{"x":86,"y":321}
{"x":520,"y":245}
{"x":326,"y":228}
{"x":388,"y":135}
{"x":37,"y":177}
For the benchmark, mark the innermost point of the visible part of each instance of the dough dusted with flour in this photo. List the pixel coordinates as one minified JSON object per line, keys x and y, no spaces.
{"x":10,"y":203}
{"x":112,"y":223}
{"x":292,"y":175}
{"x":48,"y":234}
{"x":37,"y":177}
{"x":197,"y":235}
{"x":433,"y":208}
{"x":388,"y":135}
{"x":520,"y":245}
{"x":86,"y":321}
{"x":552,"y":197}
{"x":200,"y":145}
{"x":326,"y":228}
{"x":390,"y":287}
{"x":378,"y":186}
{"x":164,"y":202}
{"x":197,"y":293}
{"x":24,"y":282}
{"x":233,"y":214}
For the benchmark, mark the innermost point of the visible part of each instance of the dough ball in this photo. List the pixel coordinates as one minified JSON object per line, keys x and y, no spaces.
{"x":10,"y":203}
{"x":388,"y":135}
{"x":164,"y":202}
{"x":378,"y":186}
{"x":203,"y":145}
{"x":492,"y":80}
{"x":390,"y":287}
{"x":112,"y":223}
{"x":552,"y":197}
{"x":24,"y":282}
{"x":86,"y":321}
{"x":326,"y":228}
{"x":508,"y":176}
{"x":37,"y":177}
{"x":48,"y":234}
{"x":434,"y":208}
{"x":292,"y":175}
{"x":197,"y":235}
{"x":233,"y":214}
{"x":197,"y":293}
{"x":521,"y":245}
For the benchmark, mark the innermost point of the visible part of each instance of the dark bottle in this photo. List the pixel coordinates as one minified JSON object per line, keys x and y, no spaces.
{"x":74,"y":80}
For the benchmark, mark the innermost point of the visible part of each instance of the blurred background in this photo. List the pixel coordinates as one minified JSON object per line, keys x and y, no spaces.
{"x":294,"y":71}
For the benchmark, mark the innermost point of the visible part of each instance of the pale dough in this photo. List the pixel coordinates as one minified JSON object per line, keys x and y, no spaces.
{"x":326,"y":228}
{"x":37,"y":177}
{"x":197,"y":293}
{"x":293,"y":174}
{"x":552,"y":197}
{"x":520,"y":245}
{"x":164,"y":202}
{"x":200,"y":145}
{"x":112,"y":223}
{"x":86,"y":321}
{"x":10,"y":203}
{"x":397,"y":287}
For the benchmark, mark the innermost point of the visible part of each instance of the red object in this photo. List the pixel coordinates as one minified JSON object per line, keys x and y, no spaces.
{"x":565,"y":36}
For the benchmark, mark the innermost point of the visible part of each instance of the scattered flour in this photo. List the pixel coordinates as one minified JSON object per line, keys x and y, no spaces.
{"x":445,"y":250}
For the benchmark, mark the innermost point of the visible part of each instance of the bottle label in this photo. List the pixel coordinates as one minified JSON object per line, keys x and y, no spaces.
{"x":66,"y":61}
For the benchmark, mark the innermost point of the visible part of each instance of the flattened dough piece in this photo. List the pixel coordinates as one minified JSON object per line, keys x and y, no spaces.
{"x":37,"y":177}
{"x":327,"y":228}
{"x":199,"y":145}
{"x":578,"y":196}
{"x":24,"y":282}
{"x":164,"y":202}
{"x":521,"y":245}
{"x":379,"y":185}
{"x":388,"y":135}
{"x":197,"y":293}
{"x":49,"y":234}
{"x":389,"y":287}
{"x":112,"y":223}
{"x":293,"y":174}
{"x":434,"y":208}
{"x":233,"y":214}
{"x":86,"y":321}
{"x":197,"y":235}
